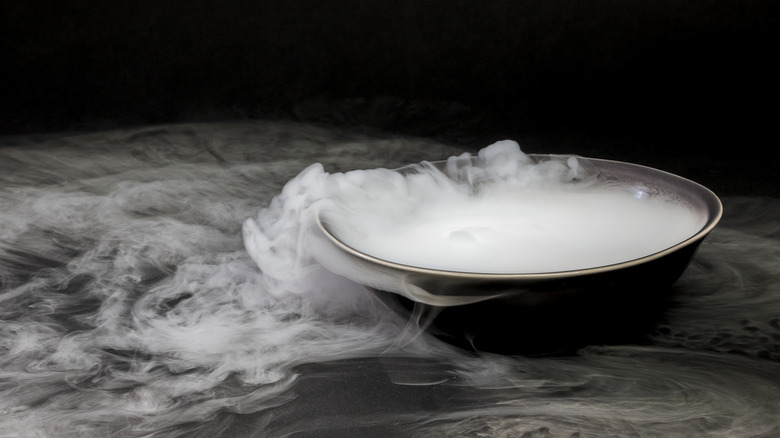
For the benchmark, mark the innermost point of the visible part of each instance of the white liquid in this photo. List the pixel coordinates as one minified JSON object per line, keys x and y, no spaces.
{"x":524,"y":230}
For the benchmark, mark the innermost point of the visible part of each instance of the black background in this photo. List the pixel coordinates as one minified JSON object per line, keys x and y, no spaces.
{"x":659,"y":82}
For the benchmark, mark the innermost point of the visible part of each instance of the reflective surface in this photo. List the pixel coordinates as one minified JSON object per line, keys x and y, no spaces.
{"x":129,"y":307}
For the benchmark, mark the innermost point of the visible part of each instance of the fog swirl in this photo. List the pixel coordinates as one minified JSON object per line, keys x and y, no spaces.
{"x":129,"y":306}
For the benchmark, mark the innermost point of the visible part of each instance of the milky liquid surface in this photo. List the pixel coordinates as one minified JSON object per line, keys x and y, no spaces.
{"x":528,"y":230}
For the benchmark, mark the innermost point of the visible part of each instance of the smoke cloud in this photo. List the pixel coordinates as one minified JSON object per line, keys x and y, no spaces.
{"x":129,"y":306}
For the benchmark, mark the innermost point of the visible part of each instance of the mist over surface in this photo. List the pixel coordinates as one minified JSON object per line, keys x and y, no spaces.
{"x":130,"y":307}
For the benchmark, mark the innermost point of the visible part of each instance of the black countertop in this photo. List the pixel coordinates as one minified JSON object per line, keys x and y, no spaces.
{"x":130,"y":307}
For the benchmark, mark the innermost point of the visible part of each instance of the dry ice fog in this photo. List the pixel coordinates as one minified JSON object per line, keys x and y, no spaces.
{"x":504,"y":213}
{"x":156,"y":282}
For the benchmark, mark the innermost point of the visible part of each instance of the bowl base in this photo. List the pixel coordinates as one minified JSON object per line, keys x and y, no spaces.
{"x":545,"y":323}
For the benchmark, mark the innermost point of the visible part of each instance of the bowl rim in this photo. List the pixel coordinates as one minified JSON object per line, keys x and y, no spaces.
{"x":712,"y":220}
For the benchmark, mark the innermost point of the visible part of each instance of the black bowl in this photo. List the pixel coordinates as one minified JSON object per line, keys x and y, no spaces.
{"x":538,"y":312}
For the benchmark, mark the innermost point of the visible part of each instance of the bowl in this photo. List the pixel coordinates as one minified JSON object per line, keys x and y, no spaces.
{"x":537,"y":312}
